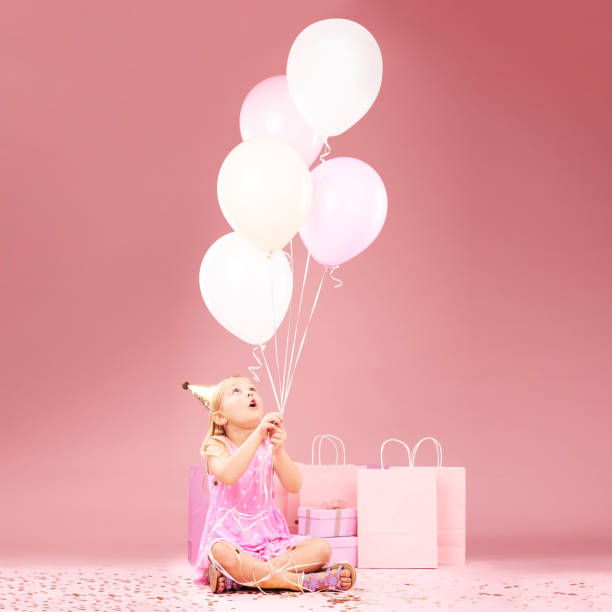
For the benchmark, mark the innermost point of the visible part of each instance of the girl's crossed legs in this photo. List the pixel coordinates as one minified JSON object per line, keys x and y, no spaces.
{"x":308,"y":555}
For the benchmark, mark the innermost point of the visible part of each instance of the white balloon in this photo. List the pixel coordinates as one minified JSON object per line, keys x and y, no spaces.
{"x":334,"y":73}
{"x":265,"y":191}
{"x":246,"y":290}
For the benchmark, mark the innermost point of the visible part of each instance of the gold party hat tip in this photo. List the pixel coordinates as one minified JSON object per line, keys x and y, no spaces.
{"x":204,"y":394}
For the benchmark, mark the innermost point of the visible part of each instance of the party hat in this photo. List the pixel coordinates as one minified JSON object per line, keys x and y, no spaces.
{"x":204,"y":394}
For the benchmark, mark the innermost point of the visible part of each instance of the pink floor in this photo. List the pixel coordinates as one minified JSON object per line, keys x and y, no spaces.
{"x":570,"y":583}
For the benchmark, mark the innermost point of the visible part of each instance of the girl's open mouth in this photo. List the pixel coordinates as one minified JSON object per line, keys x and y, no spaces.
{"x":253,"y":405}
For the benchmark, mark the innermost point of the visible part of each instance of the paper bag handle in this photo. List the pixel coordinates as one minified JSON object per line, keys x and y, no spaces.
{"x":314,"y":440}
{"x":438,"y":450}
{"x":331,"y":438}
{"x":382,"y":447}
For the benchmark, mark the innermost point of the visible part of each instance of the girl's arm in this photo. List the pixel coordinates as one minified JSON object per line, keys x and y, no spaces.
{"x":229,"y":469}
{"x":287,"y":471}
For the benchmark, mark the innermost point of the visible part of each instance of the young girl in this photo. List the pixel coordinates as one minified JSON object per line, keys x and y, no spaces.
{"x":246,"y":540}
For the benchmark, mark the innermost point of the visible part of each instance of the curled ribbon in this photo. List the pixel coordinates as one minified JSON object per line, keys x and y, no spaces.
{"x":327,"y":152}
{"x":331,"y":269}
{"x":253,"y":368}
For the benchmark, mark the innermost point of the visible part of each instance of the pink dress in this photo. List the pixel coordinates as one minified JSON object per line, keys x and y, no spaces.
{"x":245,"y":513}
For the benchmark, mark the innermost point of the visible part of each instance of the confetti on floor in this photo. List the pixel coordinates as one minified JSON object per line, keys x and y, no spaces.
{"x":488,"y":585}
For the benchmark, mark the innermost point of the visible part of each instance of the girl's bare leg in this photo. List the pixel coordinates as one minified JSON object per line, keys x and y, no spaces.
{"x":309,"y":555}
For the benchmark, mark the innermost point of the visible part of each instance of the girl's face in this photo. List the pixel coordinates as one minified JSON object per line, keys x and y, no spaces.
{"x":242,"y":405}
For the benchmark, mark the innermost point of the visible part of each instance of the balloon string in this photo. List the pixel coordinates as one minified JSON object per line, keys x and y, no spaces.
{"x":331,"y":275}
{"x":305,"y":332}
{"x":297,"y":321}
{"x":286,"y":567}
{"x":290,"y":258}
{"x":327,"y":151}
{"x":253,"y":368}
{"x":263,"y":354}
{"x":271,"y":277}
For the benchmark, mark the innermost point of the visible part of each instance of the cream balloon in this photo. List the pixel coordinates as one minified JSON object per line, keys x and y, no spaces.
{"x":265,"y":191}
{"x":246,"y":290}
{"x":334,"y":73}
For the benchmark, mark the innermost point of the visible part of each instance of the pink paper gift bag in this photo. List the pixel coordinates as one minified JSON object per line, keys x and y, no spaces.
{"x":344,"y":549}
{"x":450,"y":488}
{"x":198,"y":507}
{"x":397,"y":516}
{"x":323,"y":483}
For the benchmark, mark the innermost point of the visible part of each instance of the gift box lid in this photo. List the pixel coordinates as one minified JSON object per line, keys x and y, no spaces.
{"x":316,"y":512}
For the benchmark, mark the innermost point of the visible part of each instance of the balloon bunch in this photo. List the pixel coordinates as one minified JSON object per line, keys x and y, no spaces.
{"x":267,"y":193}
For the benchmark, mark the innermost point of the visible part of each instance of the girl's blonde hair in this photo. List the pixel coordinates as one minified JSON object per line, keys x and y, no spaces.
{"x":215,"y":408}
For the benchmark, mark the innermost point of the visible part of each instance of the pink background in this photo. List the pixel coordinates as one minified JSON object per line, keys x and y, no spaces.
{"x":481,"y":314}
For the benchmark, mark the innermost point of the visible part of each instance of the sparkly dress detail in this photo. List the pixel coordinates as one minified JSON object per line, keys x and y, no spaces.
{"x":245,"y":513}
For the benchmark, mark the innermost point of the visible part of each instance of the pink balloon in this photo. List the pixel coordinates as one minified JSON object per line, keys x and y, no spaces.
{"x":269,"y":112}
{"x":349,"y":207}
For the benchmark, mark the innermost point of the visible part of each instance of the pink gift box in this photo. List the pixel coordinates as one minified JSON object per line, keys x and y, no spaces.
{"x":327,"y":522}
{"x":344,"y":549}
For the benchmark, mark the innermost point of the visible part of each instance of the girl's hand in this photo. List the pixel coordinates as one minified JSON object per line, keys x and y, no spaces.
{"x":277,"y":438}
{"x":268,"y":423}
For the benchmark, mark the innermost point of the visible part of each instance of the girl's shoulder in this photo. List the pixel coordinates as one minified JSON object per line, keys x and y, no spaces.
{"x":217,"y":444}
{"x":223,"y":439}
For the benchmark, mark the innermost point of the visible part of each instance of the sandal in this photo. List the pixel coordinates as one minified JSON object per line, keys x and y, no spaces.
{"x":331,"y":582}
{"x":213,"y":576}
{"x":350,"y":568}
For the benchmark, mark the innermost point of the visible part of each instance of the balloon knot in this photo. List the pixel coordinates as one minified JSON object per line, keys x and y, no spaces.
{"x":327,"y":152}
